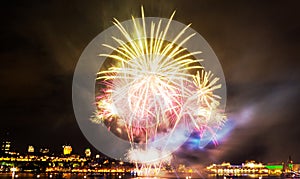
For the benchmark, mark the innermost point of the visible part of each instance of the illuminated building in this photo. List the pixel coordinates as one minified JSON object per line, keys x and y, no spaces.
{"x":67,"y":149}
{"x":87,"y":152}
{"x":44,"y":151}
{"x":275,"y":169}
{"x":289,"y":165}
{"x":5,"y":147}
{"x":30,"y":149}
{"x":249,"y":168}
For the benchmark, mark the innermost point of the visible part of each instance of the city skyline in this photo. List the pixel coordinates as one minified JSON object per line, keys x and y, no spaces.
{"x":256,"y":42}
{"x":68,"y":150}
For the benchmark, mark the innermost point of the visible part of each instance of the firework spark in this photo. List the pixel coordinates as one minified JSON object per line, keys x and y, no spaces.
{"x":153,"y":85}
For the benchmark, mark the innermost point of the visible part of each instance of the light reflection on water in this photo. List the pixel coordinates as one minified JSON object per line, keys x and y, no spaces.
{"x":83,"y":176}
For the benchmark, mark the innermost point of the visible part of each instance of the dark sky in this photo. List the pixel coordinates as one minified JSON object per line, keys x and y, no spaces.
{"x":257,"y":43}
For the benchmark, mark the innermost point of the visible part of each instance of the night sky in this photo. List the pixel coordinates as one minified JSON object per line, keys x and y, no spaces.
{"x":257,"y":43}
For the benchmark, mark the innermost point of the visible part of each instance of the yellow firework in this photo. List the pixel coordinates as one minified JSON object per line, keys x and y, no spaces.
{"x":155,"y":83}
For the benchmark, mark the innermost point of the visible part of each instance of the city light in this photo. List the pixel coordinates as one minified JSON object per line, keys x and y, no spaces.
{"x":67,"y":149}
{"x":99,"y":165}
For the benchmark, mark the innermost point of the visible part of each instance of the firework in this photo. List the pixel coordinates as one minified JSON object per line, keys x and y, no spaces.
{"x":153,"y":86}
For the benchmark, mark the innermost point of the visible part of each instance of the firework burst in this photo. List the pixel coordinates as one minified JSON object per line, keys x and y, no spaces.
{"x":152,"y":86}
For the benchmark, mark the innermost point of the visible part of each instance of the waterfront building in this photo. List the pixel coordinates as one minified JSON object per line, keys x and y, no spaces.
{"x":6,"y":146}
{"x":275,"y":169}
{"x":88,"y":153}
{"x":44,"y":151}
{"x":30,"y":149}
{"x":67,"y":149}
{"x":249,"y":167}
